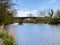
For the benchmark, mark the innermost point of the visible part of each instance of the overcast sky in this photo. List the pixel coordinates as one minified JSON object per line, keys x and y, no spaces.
{"x":24,"y":7}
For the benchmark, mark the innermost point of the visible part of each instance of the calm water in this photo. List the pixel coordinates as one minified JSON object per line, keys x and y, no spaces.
{"x":37,"y":34}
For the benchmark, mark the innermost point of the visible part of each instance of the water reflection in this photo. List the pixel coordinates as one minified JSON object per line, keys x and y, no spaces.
{"x":37,"y":34}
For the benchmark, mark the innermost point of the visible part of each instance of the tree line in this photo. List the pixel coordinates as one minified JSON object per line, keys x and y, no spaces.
{"x":51,"y":18}
{"x":7,"y":12}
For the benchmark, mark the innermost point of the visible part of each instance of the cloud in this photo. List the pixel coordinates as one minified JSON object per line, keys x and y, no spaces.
{"x":23,"y":13}
{"x":52,"y":1}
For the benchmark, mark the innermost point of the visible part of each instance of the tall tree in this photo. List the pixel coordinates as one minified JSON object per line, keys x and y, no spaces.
{"x":6,"y":11}
{"x":51,"y":13}
{"x":58,"y":13}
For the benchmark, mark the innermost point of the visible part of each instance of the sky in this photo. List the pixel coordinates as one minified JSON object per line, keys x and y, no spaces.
{"x":24,"y":7}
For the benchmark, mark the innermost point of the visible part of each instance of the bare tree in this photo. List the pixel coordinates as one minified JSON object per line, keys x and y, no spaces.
{"x":30,"y":15}
{"x":42,"y":13}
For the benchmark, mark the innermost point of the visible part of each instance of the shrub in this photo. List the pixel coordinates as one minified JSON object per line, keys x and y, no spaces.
{"x":54,"y":21}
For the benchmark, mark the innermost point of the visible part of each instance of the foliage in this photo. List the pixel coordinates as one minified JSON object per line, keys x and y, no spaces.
{"x":42,"y":19}
{"x":56,"y":18}
{"x":28,"y":21}
{"x":54,"y":21}
{"x":6,"y":12}
{"x":57,"y":15}
{"x":7,"y":39}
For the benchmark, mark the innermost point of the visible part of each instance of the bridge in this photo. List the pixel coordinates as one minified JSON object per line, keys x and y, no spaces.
{"x":31,"y":19}
{"x":27,"y":17}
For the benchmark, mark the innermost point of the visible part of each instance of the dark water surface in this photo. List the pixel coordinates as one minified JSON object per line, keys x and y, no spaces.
{"x":37,"y":34}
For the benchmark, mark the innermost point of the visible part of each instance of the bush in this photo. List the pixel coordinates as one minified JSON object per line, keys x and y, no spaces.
{"x":54,"y":21}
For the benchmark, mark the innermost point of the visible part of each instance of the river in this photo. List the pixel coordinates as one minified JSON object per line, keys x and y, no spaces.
{"x":36,"y":34}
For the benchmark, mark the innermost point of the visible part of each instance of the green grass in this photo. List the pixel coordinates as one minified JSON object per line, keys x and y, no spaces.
{"x":7,"y":39}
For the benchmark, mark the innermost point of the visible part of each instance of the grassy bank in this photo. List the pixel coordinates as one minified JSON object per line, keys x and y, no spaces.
{"x":6,"y":38}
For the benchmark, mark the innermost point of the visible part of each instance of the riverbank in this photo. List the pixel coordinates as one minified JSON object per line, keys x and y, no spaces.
{"x":6,"y":38}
